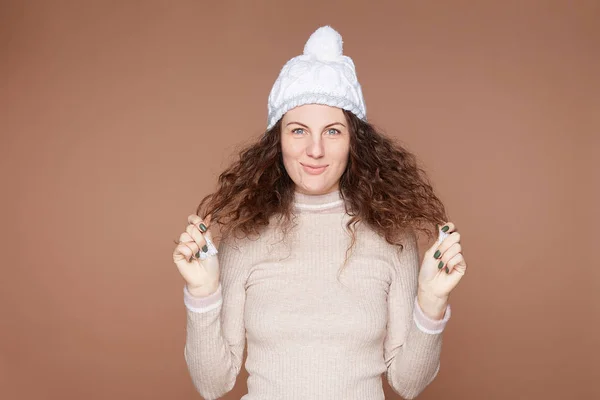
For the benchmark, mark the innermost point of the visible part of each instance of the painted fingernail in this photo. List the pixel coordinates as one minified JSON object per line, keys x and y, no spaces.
{"x":447,"y":270}
{"x":440,"y":265}
{"x":203,"y":228}
{"x":198,"y":255}
{"x":445,"y":228}
{"x":437,"y":254}
{"x":205,"y":248}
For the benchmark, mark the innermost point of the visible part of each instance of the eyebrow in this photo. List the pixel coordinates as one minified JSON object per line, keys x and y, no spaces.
{"x":327,"y":126}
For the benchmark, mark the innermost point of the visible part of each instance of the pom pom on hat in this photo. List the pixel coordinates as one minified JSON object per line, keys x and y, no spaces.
{"x":325,"y":43}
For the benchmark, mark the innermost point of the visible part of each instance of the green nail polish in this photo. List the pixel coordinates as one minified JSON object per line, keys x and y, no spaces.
{"x":437,"y":254}
{"x":440,"y":265}
{"x":203,"y":228}
{"x":198,"y":255}
{"x":205,"y":248}
{"x":445,"y":228}
{"x":447,"y":270}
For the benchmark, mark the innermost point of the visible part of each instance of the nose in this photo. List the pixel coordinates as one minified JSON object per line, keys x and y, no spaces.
{"x":314,"y":147}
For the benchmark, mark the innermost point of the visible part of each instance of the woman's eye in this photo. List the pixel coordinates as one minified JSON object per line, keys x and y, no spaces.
{"x":331,"y":131}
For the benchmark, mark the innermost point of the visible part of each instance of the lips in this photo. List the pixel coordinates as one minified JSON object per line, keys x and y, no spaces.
{"x":313,"y":169}
{"x":314,"y":166}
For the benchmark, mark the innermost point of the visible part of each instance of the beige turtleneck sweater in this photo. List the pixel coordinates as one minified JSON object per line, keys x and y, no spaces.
{"x":310,"y":336}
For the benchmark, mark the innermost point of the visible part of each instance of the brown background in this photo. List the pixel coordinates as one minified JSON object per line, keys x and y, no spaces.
{"x":117,"y":117}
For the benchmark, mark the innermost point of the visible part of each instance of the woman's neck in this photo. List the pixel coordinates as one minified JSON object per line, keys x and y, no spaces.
{"x":318,"y":203}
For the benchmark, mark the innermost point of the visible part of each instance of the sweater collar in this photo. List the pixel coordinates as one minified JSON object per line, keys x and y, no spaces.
{"x":318,"y":203}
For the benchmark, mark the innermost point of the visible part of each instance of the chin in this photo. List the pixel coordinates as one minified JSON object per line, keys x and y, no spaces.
{"x":316,"y":189}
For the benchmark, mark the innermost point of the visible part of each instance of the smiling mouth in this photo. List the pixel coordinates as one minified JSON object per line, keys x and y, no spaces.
{"x":314,"y":167}
{"x":312,"y":170}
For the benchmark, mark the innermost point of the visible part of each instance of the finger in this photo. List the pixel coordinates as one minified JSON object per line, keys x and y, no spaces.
{"x":183,"y":254}
{"x":448,"y":255}
{"x":454,"y":261}
{"x":207,"y":222}
{"x":443,"y":232}
{"x":451,"y":227}
{"x":448,"y":242}
{"x":193,"y":248}
{"x":447,"y":228}
{"x":184,"y":238}
{"x":202,"y":224}
{"x":188,"y":241}
{"x":196,"y":235}
{"x":194,"y":219}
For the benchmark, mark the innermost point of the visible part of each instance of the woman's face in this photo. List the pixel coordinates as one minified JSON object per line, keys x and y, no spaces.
{"x":315,"y":144}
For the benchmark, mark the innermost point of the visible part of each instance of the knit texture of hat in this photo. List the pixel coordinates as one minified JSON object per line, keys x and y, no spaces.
{"x":321,"y":75}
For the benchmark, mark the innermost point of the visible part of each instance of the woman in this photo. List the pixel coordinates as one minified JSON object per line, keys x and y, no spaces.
{"x":318,"y":264}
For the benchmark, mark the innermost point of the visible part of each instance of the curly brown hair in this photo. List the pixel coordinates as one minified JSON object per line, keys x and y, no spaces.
{"x":382,"y":185}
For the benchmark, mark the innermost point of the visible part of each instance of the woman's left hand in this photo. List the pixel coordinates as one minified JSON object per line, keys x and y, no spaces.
{"x":443,"y":266}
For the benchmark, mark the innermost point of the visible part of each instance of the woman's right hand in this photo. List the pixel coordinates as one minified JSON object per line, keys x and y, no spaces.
{"x":201,"y":276}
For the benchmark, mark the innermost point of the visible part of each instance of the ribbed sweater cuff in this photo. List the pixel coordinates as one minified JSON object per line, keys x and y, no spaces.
{"x":202,"y":304}
{"x":428,"y":325}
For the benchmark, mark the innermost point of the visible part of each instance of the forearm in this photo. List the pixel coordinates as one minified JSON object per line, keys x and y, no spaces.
{"x":212,"y":365}
{"x":417,"y":362}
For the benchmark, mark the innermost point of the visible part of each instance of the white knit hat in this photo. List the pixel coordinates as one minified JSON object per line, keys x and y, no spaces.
{"x":322,"y":75}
